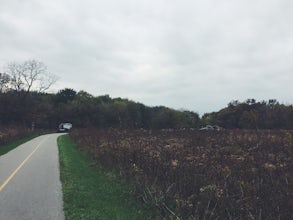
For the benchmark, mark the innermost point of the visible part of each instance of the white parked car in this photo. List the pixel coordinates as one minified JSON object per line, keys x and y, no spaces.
{"x":64,"y":127}
{"x":211,"y":128}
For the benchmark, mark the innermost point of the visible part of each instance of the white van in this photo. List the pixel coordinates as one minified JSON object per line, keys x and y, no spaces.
{"x":64,"y":127}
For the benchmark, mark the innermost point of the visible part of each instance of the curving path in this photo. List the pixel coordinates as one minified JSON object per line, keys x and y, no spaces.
{"x":30,"y":187}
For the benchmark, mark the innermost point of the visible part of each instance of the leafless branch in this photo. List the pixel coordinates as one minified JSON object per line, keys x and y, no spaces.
{"x":30,"y":75}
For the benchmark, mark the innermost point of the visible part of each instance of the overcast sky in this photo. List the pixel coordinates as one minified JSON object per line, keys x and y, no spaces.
{"x":184,"y":54}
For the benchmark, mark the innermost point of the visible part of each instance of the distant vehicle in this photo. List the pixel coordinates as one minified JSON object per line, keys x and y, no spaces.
{"x":211,"y":128}
{"x":64,"y":127}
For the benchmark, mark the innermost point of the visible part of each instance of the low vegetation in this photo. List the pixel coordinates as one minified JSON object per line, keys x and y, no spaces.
{"x":11,"y":137}
{"x":92,"y":193}
{"x":191,"y":174}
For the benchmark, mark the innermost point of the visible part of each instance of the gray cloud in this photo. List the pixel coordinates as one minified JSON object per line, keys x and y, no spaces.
{"x":196,"y":55}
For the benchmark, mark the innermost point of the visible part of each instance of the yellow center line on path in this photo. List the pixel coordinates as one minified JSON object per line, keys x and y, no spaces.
{"x":21,"y":165}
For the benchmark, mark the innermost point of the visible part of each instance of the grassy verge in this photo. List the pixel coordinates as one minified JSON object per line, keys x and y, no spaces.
{"x":10,"y":146}
{"x":91,"y":193}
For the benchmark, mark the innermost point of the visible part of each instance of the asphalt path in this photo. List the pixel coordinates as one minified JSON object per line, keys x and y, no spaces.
{"x":30,"y":187}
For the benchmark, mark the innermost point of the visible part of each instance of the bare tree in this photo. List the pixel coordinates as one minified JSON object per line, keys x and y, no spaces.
{"x":15,"y":71}
{"x":31,"y":75}
{"x":4,"y":82}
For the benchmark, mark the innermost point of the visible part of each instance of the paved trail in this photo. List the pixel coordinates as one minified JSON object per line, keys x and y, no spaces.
{"x":30,"y":187}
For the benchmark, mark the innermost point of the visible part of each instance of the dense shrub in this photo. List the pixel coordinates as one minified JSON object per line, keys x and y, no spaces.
{"x":8,"y":134}
{"x":190,"y":174}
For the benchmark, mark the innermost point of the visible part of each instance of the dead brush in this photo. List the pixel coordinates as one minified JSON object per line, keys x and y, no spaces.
{"x":230,"y":174}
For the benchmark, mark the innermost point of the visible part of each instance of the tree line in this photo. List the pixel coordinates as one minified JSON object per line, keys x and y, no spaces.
{"x":82,"y":109}
{"x":85,"y":110}
{"x":24,"y":101}
{"x":252,"y":114}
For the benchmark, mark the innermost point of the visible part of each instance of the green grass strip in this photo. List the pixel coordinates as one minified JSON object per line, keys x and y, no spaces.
{"x":91,"y":193}
{"x":10,"y":146}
